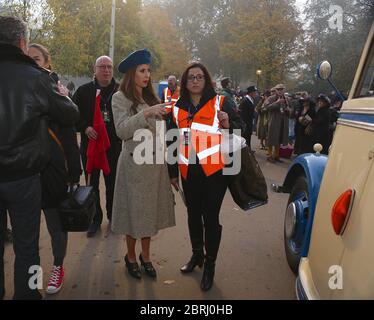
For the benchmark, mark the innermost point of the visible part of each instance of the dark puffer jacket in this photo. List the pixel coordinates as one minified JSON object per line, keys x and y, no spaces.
{"x":28,"y":97}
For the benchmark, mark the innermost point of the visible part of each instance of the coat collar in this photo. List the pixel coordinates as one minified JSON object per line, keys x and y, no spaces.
{"x":9,"y":52}
{"x":111,"y":85}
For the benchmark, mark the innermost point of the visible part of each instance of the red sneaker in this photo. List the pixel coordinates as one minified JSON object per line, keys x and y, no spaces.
{"x":55,"y":280}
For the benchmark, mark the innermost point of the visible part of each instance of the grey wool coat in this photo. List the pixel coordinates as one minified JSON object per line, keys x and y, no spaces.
{"x":143,"y":200}
{"x":277,"y":122}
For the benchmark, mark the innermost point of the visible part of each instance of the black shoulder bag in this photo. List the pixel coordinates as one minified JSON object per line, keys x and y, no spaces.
{"x":78,"y":209}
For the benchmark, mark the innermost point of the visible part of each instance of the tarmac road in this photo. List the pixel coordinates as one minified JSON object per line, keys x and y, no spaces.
{"x":251,"y":263}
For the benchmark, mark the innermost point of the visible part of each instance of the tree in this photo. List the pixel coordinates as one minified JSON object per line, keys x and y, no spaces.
{"x":269,"y":38}
{"x":35,"y":13}
{"x":73,"y":32}
{"x":198,"y":22}
{"x":173,"y":54}
{"x":342,"y":49}
{"x":131,"y":34}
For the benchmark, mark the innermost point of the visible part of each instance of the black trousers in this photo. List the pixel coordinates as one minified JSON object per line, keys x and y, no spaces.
{"x":22,"y":199}
{"x":59,"y":237}
{"x":248,"y":135}
{"x":204,"y":196}
{"x":112,"y":155}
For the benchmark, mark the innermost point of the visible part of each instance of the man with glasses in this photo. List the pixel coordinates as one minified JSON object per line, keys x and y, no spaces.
{"x":85,"y":97}
{"x":172,"y":91}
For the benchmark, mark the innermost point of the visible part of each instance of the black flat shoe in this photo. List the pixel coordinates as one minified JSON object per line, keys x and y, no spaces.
{"x":133,"y":268}
{"x":196,"y":260}
{"x":148,"y":267}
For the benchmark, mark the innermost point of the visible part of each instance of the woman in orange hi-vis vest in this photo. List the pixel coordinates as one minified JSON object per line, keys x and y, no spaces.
{"x":199,"y":115}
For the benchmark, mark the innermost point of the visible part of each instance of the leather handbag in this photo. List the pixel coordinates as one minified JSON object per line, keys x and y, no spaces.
{"x":78,"y":210}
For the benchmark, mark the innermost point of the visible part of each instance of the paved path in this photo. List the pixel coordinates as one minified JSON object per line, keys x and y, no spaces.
{"x":251,"y":263}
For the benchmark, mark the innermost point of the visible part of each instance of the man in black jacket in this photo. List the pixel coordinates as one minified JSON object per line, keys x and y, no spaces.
{"x":247,"y":109}
{"x":27,"y":96}
{"x":84,"y":97}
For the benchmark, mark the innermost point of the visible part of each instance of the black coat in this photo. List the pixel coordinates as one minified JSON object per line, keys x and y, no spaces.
{"x":247,"y":111}
{"x":303,"y":142}
{"x":28,"y":97}
{"x":85,"y":97}
{"x":321,"y":132}
{"x":63,"y":167}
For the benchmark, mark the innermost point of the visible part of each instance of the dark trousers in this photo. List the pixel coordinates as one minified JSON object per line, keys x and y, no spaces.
{"x":22,"y":199}
{"x":59,"y":238}
{"x":112,"y":155}
{"x":247,"y":135}
{"x":204,"y":196}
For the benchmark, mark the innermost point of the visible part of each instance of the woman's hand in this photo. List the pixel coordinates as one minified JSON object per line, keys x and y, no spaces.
{"x":62,"y":89}
{"x":175,"y":183}
{"x":223,"y":118}
{"x":157,"y":111}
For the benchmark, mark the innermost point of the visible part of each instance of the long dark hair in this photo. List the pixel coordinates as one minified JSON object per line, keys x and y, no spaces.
{"x":184,"y":93}
{"x":128,"y":87}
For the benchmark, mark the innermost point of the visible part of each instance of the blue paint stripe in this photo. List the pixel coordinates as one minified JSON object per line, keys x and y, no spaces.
{"x":367,"y":118}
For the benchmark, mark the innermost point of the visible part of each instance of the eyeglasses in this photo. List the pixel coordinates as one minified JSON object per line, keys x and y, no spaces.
{"x":103,"y":67}
{"x":199,"y":77}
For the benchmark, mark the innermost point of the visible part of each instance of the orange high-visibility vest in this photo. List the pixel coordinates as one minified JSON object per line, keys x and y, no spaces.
{"x":168,"y":97}
{"x":204,"y":135}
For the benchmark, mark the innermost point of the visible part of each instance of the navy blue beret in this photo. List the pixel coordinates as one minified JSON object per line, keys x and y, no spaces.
{"x":134,"y":59}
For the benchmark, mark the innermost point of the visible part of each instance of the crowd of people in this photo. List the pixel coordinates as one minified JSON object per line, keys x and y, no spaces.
{"x":39,"y":121}
{"x":39,"y":149}
{"x":296,"y":121}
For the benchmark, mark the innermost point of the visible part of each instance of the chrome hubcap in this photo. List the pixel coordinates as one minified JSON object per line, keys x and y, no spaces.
{"x":290,"y":223}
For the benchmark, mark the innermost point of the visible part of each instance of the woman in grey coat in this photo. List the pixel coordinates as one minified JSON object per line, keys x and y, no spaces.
{"x":143,"y":200}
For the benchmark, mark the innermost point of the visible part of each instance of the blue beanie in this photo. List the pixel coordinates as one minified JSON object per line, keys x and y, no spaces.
{"x":134,"y":59}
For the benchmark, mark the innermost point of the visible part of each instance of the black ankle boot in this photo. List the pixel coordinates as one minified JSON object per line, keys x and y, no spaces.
{"x":197,"y":259}
{"x":148,"y":267}
{"x":208,"y":275}
{"x":133,"y":268}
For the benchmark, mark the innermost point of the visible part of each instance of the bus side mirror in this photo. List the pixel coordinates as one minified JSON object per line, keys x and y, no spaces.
{"x":324,"y":70}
